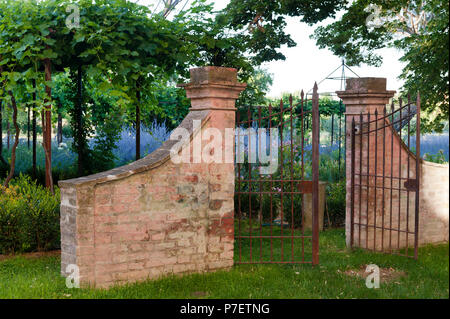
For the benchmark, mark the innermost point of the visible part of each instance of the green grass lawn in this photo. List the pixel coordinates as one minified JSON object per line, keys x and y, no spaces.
{"x":428,"y":277}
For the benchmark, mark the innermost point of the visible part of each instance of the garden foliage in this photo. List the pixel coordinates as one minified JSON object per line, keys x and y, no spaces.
{"x":29,"y":217}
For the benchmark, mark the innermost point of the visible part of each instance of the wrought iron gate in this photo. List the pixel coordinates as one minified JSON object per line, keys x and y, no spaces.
{"x":270,"y":188}
{"x":384,"y":198}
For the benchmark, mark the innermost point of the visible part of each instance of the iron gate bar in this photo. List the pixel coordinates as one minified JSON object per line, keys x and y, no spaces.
{"x":399,"y":174}
{"x":260,"y":187}
{"x":300,"y":183}
{"x":340,"y":135}
{"x":249,"y":117}
{"x":302,"y":169}
{"x":388,"y":116}
{"x":352,"y":192}
{"x":315,"y":174}
{"x":416,"y":226}
{"x":387,"y":125}
{"x":288,"y":121}
{"x":381,"y":187}
{"x":368,"y":172}
{"x":360,"y":174}
{"x":274,"y":236}
{"x":239,"y":186}
{"x":271,"y":197}
{"x":381,"y":176}
{"x":380,"y":227}
{"x":279,"y":113}
{"x":297,"y":115}
{"x":282,"y":185}
{"x":292,"y":185}
{"x":304,"y":187}
{"x":392,"y":174}
{"x":274,"y":262}
{"x":257,"y":193}
{"x":375,"y":179}
{"x":407,"y":194}
{"x":384,"y":174}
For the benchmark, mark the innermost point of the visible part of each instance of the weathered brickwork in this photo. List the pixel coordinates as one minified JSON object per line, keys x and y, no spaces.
{"x":155,"y":217}
{"x":369,"y":94}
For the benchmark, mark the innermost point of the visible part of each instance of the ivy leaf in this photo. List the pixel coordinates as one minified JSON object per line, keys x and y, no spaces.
{"x":104,"y":86}
{"x":79,"y":37}
{"x":88,"y":53}
{"x":49,"y":54}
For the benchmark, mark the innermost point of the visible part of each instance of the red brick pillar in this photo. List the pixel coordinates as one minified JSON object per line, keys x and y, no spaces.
{"x":362,"y":95}
{"x":215,"y":90}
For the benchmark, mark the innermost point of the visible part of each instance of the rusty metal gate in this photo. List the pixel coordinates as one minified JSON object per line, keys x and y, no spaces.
{"x":384,"y":175}
{"x":277,"y":178}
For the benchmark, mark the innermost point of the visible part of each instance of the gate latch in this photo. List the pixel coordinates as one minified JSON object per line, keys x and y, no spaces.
{"x":411,"y":184}
{"x":305,"y":187}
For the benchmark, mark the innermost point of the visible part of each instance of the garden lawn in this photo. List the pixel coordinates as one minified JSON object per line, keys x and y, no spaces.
{"x":428,"y":277}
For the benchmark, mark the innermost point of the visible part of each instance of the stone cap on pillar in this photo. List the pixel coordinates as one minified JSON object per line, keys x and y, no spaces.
{"x":365,"y":95}
{"x":213,"y":88}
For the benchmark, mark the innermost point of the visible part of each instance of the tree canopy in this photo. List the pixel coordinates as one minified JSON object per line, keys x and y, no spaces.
{"x":260,"y":24}
{"x":417,"y":28}
{"x":115,"y":42}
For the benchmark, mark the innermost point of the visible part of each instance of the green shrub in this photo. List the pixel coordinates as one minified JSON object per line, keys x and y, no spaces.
{"x":67,"y":131}
{"x":29,"y":217}
{"x":266,"y":211}
{"x":58,"y":173}
{"x":336,"y":202}
{"x":12,"y":219}
{"x":243,"y":202}
{"x":439,"y":157}
{"x":292,"y":207}
{"x":4,"y":168}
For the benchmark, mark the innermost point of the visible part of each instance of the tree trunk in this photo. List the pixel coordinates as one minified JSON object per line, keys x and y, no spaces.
{"x":1,"y":135}
{"x":1,"y":127}
{"x":34,"y":129}
{"x":332,"y":128}
{"x":59,"y":130}
{"x":28,"y":127}
{"x":79,"y":124}
{"x":138,"y":124}
{"x":8,"y":131}
{"x":340,"y":135}
{"x":16,"y":141}
{"x":47,"y":136}
{"x":46,"y":151}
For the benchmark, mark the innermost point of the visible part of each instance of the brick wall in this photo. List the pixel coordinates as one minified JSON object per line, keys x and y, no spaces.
{"x":155,"y":217}
{"x":434,"y":199}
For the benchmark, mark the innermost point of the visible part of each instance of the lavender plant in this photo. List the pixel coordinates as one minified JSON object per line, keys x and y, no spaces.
{"x":151,"y":138}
